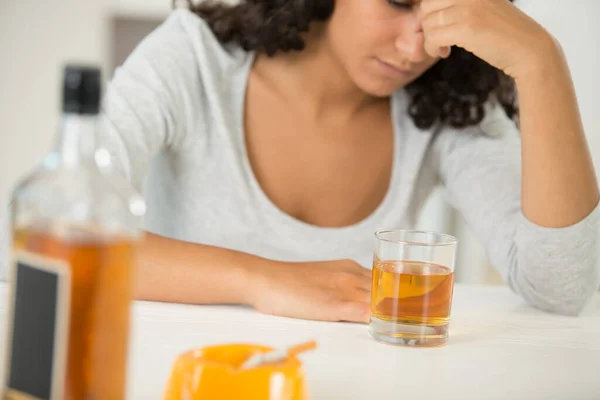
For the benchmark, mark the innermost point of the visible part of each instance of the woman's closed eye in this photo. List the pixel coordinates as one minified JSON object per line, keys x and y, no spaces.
{"x":402,"y":5}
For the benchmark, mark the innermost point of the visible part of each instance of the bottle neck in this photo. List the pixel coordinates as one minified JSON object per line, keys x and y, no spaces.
{"x":76,"y":142}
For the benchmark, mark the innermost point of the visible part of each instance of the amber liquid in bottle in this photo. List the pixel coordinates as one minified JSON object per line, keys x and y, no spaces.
{"x":75,"y":229}
{"x":101,"y":292}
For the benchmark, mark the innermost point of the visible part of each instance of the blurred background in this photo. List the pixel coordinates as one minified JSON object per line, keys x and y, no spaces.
{"x":38,"y":37}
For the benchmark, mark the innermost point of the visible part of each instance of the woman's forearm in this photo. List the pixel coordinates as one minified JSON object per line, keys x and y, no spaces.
{"x":559,"y":182}
{"x":176,"y":271}
{"x":181,"y":272}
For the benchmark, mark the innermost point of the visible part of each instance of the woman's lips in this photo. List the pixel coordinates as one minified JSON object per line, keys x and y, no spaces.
{"x":394,"y":71}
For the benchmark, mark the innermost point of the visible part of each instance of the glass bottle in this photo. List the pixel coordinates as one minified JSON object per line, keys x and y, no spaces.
{"x":75,"y":228}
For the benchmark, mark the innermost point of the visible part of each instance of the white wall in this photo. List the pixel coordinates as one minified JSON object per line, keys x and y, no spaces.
{"x":37,"y":37}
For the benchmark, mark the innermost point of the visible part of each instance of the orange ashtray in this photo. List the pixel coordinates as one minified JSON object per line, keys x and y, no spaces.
{"x":214,"y":373}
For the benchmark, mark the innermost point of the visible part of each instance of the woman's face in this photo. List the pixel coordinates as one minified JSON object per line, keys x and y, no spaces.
{"x":379,"y":43}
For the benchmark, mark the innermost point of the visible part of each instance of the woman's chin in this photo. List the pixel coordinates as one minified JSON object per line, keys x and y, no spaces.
{"x":380,"y":87}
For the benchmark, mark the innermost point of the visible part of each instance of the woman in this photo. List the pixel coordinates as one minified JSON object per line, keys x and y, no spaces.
{"x":286,"y":132}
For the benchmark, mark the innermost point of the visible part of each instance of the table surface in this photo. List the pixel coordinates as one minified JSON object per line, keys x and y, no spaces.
{"x":499,"y":349}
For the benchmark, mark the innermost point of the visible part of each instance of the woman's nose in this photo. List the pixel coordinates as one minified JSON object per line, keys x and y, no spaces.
{"x":411,"y":43}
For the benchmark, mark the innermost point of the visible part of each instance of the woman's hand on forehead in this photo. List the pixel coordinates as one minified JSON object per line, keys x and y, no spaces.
{"x":494,"y":30}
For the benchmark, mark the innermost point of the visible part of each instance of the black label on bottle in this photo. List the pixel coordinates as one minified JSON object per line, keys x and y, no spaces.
{"x":39,"y":326}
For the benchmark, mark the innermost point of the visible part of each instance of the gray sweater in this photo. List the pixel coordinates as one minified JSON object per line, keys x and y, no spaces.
{"x":173,"y":123}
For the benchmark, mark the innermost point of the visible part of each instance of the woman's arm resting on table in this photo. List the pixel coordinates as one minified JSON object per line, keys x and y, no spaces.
{"x":180,"y":272}
{"x":175,"y":271}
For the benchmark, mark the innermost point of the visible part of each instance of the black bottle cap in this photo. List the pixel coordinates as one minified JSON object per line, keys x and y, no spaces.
{"x":81,"y":90}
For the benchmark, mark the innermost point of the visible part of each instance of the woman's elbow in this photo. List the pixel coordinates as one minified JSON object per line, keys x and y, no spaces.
{"x":560,"y":288}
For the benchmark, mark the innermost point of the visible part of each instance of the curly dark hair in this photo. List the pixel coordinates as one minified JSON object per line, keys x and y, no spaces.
{"x":452,"y":93}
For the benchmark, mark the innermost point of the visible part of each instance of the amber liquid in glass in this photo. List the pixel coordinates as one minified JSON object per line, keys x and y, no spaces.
{"x":101,"y":294}
{"x":412,"y":293}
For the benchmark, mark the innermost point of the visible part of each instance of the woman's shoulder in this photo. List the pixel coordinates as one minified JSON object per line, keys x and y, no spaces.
{"x":184,"y":44}
{"x":198,"y":32}
{"x":170,"y":87}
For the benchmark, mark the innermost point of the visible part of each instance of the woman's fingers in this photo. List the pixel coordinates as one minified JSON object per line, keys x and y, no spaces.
{"x":429,"y":6}
{"x":442,"y":30}
{"x":351,"y":311}
{"x":357,"y":294}
{"x":431,"y":48}
{"x":349,"y":281}
{"x":444,"y":52}
{"x":329,"y":291}
{"x":444,"y":17}
{"x":354,"y":267}
{"x":357,"y":269}
{"x":436,"y":16}
{"x":365,"y":272}
{"x":446,"y":36}
{"x":364,"y":283}
{"x":363,"y":277}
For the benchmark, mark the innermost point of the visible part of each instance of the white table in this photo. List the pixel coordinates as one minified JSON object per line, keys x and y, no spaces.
{"x":499,"y":349}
